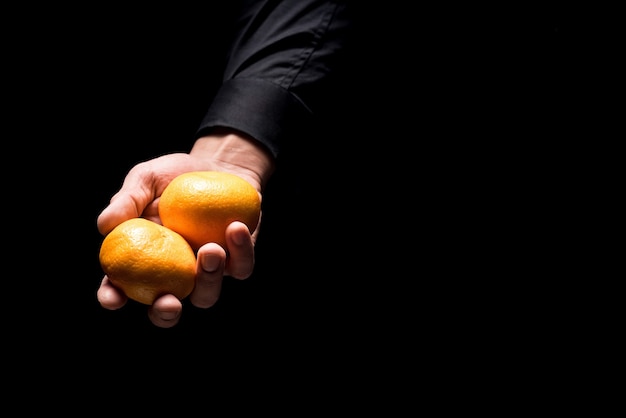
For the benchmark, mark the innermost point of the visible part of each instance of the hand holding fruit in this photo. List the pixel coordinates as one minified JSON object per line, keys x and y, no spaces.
{"x":140,"y":195}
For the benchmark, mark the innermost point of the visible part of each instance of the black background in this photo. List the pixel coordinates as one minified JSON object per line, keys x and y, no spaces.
{"x":367,"y":230}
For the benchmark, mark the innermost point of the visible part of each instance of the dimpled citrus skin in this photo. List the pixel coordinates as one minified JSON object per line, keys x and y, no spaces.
{"x":199,"y":205}
{"x":147,"y":260}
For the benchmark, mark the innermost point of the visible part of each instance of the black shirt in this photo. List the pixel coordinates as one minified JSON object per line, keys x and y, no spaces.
{"x":278,"y":67}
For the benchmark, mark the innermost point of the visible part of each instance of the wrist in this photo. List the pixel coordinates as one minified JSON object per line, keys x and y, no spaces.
{"x":238,"y":152}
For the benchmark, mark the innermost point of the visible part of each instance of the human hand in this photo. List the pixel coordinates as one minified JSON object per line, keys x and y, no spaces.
{"x":139,"y":196}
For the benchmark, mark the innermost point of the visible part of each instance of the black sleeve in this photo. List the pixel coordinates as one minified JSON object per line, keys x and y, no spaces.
{"x":277,"y":68}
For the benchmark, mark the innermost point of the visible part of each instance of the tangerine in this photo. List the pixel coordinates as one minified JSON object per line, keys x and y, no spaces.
{"x":199,"y":205}
{"x":147,"y":260}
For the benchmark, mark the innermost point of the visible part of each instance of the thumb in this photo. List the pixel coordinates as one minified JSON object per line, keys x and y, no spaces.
{"x":129,"y":202}
{"x":123,"y":206}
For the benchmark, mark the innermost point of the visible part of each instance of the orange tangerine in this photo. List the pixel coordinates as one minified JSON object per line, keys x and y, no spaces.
{"x":147,"y":260}
{"x":199,"y":205}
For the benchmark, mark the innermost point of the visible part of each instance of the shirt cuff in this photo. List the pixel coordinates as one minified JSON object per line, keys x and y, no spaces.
{"x":259,"y":108}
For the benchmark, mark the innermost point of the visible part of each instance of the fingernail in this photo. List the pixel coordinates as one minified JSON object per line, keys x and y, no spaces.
{"x":239,"y":237}
{"x":168,"y":316}
{"x":210,"y":263}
